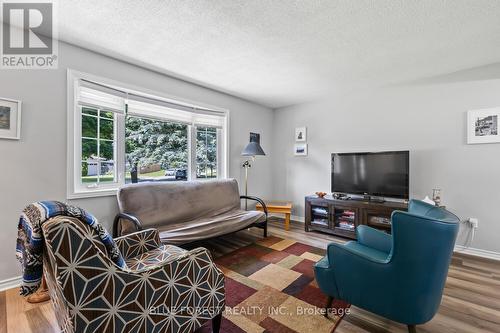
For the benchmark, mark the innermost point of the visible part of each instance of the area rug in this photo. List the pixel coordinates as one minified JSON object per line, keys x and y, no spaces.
{"x":270,"y":287}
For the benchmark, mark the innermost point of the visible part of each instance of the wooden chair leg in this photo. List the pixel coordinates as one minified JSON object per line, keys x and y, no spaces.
{"x":216,"y":323}
{"x":412,"y":329}
{"x":328,"y":305}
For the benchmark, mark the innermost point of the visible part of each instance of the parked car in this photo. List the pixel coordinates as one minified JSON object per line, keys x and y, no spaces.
{"x":181,"y":174}
{"x":169,"y":174}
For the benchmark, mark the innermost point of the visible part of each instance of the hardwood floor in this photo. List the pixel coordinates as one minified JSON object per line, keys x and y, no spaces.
{"x":471,"y":301}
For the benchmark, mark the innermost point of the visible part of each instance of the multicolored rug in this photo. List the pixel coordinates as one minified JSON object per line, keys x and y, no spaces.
{"x":270,"y":287}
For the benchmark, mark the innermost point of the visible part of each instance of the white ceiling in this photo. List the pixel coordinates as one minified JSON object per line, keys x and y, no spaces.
{"x":283,"y":52}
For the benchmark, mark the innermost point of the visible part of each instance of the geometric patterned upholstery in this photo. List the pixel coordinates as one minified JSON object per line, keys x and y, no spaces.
{"x":163,"y":289}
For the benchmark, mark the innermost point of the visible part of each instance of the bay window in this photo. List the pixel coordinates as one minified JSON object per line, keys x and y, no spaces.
{"x":118,"y":135}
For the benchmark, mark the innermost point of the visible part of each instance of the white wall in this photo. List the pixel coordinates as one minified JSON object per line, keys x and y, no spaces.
{"x":34,"y":168}
{"x":428,"y":118}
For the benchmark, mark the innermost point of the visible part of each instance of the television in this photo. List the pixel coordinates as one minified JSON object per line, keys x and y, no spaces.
{"x":380,"y":174}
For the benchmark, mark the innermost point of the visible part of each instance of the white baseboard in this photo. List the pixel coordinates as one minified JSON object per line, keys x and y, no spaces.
{"x":477,"y":252}
{"x":292,"y":217}
{"x":10,"y":283}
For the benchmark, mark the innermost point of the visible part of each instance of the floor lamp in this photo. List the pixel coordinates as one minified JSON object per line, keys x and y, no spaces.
{"x":252,"y":149}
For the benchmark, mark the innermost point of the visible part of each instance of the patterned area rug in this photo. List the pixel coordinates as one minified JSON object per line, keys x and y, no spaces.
{"x":270,"y":287}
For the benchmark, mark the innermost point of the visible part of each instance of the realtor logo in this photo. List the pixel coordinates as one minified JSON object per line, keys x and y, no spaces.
{"x":28,"y":35}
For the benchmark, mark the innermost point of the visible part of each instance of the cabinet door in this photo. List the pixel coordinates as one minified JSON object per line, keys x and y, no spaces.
{"x":318,"y":213}
{"x":378,"y":218}
{"x":344,"y":220}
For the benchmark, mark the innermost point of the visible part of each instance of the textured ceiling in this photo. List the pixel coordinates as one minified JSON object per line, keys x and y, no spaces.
{"x":283,"y":52}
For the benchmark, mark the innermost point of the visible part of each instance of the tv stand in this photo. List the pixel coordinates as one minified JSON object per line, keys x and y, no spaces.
{"x":341,"y":217}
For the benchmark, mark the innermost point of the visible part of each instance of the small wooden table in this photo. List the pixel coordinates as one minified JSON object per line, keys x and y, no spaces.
{"x":280,"y":208}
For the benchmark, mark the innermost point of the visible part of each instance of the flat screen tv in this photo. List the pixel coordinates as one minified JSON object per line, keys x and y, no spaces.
{"x":381,"y":174}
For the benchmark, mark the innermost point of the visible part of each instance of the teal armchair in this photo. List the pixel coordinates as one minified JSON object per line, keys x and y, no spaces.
{"x":400,"y":276}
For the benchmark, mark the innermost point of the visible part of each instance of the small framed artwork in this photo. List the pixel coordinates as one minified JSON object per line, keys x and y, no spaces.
{"x":301,"y":134}
{"x":10,"y":119}
{"x":300,"y":149}
{"x":482,"y":126}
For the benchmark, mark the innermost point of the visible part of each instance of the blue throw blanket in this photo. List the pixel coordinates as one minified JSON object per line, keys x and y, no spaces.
{"x":29,"y":249}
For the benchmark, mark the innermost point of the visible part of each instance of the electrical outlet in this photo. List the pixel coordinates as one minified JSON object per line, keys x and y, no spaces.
{"x":474,"y":222}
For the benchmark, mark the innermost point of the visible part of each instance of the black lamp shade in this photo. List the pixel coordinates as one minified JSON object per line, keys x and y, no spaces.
{"x":253,"y":149}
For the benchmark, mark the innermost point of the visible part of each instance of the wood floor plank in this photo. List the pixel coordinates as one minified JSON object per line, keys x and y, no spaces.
{"x":3,"y":313}
{"x":471,"y":300}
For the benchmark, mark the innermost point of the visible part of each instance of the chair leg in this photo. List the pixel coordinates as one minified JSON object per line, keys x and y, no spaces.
{"x":412,"y":329}
{"x":265,"y":230}
{"x":328,"y":305}
{"x":216,"y":323}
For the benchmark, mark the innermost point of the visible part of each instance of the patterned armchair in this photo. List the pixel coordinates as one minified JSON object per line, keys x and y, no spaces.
{"x":163,"y":288}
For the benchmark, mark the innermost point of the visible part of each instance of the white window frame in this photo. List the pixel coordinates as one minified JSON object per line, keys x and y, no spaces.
{"x":75,"y":189}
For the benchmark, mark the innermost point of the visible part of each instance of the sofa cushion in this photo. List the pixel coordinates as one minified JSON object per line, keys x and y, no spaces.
{"x":162,"y":204}
{"x":189,"y":231}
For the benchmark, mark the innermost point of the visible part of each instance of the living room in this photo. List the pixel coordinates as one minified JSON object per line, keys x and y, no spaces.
{"x":197,"y":166}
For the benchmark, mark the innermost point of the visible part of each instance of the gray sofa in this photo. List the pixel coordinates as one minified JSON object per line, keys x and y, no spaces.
{"x":184,"y":212}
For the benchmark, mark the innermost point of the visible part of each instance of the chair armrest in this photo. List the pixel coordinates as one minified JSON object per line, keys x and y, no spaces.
{"x":127,"y":217}
{"x":136,"y":243}
{"x":259,"y":200}
{"x":197,"y":266}
{"x":374,"y":238}
{"x":336,"y":251}
{"x":179,"y":259}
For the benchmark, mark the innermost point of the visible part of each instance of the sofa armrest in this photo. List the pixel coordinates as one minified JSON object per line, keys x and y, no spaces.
{"x":136,"y":243}
{"x":259,"y":200}
{"x":374,"y":238}
{"x":128,"y":217}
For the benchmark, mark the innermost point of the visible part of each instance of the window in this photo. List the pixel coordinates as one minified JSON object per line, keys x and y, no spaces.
{"x":118,"y":135}
{"x":206,"y":152}
{"x":155,"y":150}
{"x":98,"y":142}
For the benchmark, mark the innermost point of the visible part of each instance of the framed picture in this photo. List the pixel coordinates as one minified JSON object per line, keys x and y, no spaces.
{"x":482,"y":126}
{"x":10,"y":119}
{"x":301,"y":134}
{"x":300,"y":149}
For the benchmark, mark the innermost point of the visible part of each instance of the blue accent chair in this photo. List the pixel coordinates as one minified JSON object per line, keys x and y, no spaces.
{"x":400,"y":276}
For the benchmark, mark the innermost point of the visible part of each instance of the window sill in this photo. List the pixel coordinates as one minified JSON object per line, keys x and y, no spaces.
{"x":92,"y":194}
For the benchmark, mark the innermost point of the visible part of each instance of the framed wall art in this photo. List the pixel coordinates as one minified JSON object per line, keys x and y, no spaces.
{"x":10,"y":119}
{"x":482,"y":126}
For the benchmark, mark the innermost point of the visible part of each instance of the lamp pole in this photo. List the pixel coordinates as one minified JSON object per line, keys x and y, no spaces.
{"x":246,"y":165}
{"x":251,"y":150}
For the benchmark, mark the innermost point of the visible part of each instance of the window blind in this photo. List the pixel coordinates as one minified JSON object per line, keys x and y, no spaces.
{"x":97,"y":96}
{"x":152,"y":108}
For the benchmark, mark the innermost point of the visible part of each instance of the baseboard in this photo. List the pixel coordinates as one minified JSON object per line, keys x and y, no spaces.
{"x":477,"y":252}
{"x":10,"y":283}
{"x":292,"y":217}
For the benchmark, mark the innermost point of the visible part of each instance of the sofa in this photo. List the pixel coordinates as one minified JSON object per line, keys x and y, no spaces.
{"x":187,"y":211}
{"x":400,"y":276}
{"x":154,"y":292}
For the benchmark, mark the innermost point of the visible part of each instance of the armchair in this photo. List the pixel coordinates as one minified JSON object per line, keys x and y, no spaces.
{"x":163,"y":288}
{"x":399,"y":276}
